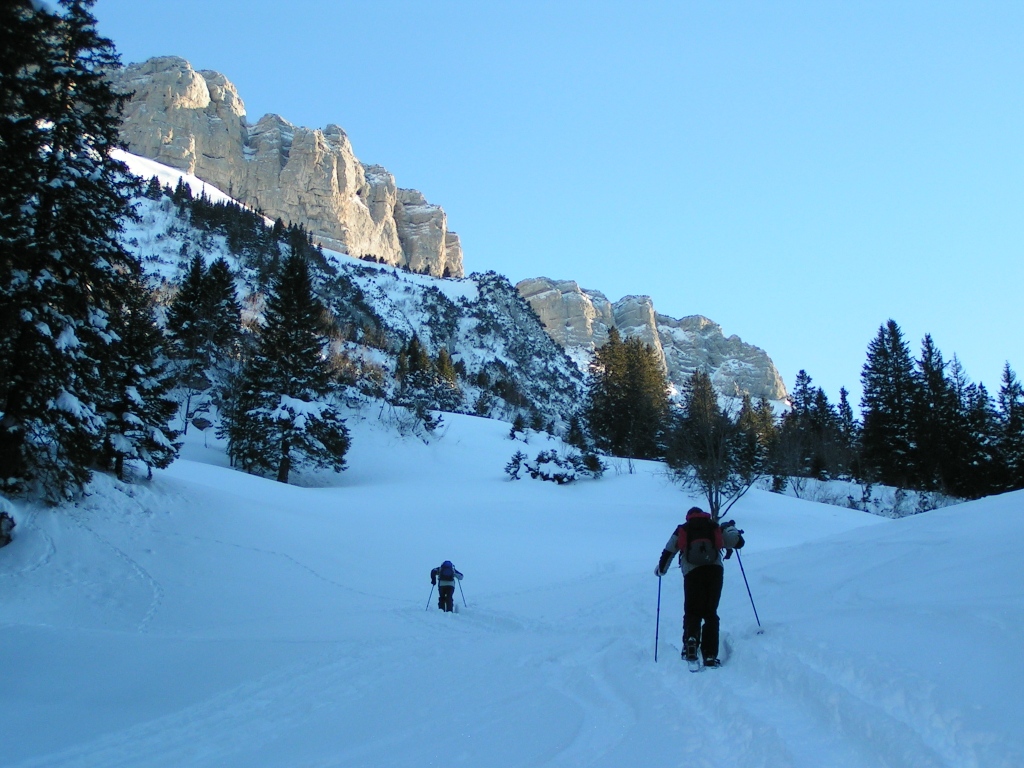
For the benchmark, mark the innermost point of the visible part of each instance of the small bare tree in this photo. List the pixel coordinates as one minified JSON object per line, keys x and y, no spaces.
{"x":711,"y":452}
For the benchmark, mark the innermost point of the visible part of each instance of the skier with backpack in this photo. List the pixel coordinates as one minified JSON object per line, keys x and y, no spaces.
{"x":444,"y":577}
{"x":699,"y":542}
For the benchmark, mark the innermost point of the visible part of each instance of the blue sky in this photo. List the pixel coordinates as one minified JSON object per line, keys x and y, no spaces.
{"x":797,"y":172}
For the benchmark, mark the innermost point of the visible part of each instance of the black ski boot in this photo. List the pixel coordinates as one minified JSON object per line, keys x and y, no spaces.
{"x":690,"y":654}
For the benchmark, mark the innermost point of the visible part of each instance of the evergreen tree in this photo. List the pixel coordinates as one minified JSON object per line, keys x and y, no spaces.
{"x":966,"y":439}
{"x":282,"y":414}
{"x":802,"y":397}
{"x":63,"y":271}
{"x":224,"y":317}
{"x":445,"y":367}
{"x":1011,"y":428}
{"x":797,"y":448}
{"x":221,"y":303}
{"x":140,"y":379}
{"x":759,"y":421}
{"x":889,"y":385}
{"x":575,"y":435}
{"x":188,"y":328}
{"x":986,"y":473}
{"x":204,"y":326}
{"x":934,"y":421}
{"x":627,"y":399}
{"x":537,"y":421}
{"x":849,"y":434}
{"x":811,"y":442}
{"x":417,"y":357}
{"x":153,"y":189}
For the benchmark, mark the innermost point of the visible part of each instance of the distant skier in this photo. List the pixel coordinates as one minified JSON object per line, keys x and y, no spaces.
{"x":699,"y":542}
{"x":444,"y":577}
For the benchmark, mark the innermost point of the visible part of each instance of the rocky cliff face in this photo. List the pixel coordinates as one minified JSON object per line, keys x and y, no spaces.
{"x":580,"y":319}
{"x":196,"y":122}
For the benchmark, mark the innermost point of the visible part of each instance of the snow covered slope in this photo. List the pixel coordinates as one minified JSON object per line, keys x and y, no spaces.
{"x":212,"y":618}
{"x":508,"y":364}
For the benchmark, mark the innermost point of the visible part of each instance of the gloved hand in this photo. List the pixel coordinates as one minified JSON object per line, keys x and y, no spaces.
{"x":663,"y":561}
{"x":740,"y":542}
{"x":433,"y":581}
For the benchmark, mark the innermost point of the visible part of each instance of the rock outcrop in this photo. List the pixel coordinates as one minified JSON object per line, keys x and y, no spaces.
{"x":580,"y":319}
{"x":195,"y":121}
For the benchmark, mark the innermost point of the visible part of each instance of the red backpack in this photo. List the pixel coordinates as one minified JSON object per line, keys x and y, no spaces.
{"x":699,"y":539}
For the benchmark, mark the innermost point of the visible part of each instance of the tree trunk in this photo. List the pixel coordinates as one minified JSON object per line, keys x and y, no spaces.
{"x":286,"y":463}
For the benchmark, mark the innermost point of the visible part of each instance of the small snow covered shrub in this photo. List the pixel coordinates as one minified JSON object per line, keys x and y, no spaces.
{"x":515,"y":465}
{"x":548,"y":465}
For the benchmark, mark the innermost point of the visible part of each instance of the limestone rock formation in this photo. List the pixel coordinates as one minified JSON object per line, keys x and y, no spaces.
{"x":195,"y":121}
{"x":580,"y":319}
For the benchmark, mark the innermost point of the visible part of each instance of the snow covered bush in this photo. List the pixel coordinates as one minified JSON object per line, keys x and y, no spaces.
{"x":549,"y":465}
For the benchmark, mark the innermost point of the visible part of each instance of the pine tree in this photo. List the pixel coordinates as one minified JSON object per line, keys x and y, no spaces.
{"x":971,"y":460}
{"x":154,"y":191}
{"x":445,"y":367}
{"x":934,"y":418}
{"x":139,"y":408}
{"x":575,"y":435}
{"x":627,"y":399}
{"x":797,"y":447}
{"x":811,"y":441}
{"x":282,"y":414}
{"x":417,"y":357}
{"x":802,"y":397}
{"x":888,"y":452}
{"x":1011,"y":428}
{"x":849,"y":435}
{"x":224,"y":316}
{"x":188,"y":328}
{"x":759,"y":421}
{"x":204,"y":326}
{"x":986,"y":472}
{"x":62,"y":268}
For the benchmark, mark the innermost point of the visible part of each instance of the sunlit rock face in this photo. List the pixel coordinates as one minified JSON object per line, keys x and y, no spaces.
{"x":580,"y":319}
{"x":196,"y":121}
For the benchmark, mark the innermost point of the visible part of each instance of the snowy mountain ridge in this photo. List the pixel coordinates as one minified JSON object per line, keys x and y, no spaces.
{"x":513,"y":362}
{"x":195,"y":121}
{"x":580,"y":319}
{"x":509,"y":364}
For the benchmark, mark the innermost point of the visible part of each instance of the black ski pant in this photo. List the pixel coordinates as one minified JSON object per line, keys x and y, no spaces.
{"x":702,"y":589}
{"x":444,"y":597}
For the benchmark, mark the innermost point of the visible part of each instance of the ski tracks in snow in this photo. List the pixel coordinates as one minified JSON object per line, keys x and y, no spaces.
{"x":32,"y":547}
{"x":582,"y":686}
{"x":787,"y":704}
{"x":216,"y":731}
{"x":776,"y":703}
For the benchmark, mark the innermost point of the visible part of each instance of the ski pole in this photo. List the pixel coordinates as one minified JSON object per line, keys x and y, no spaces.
{"x":657,"y":623}
{"x":760,"y":629}
{"x":428,"y":597}
{"x":462,"y":593}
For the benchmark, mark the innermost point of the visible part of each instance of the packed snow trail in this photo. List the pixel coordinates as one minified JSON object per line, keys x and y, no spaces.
{"x":215,"y":619}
